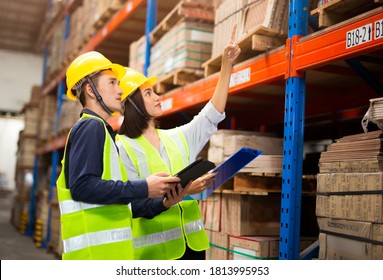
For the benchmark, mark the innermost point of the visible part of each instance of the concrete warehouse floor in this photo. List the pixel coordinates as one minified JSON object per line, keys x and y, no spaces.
{"x":13,"y":245}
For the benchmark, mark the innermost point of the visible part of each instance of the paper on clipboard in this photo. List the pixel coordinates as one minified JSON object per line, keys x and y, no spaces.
{"x":227,"y":169}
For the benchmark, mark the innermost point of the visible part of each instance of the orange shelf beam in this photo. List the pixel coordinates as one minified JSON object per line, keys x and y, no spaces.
{"x":126,"y":10}
{"x":59,"y":142}
{"x":64,"y":10}
{"x":260,"y":70}
{"x":330,"y":44}
{"x":52,"y":145}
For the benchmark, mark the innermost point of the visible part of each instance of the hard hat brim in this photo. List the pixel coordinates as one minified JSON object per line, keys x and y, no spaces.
{"x":151,"y":81}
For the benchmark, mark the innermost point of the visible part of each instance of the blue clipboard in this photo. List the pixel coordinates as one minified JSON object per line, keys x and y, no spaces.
{"x":227,"y":169}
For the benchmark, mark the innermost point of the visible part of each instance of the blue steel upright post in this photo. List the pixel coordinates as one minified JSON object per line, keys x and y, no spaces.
{"x":32,"y":204}
{"x":55,"y":153}
{"x":151,"y":19}
{"x":293,"y":140}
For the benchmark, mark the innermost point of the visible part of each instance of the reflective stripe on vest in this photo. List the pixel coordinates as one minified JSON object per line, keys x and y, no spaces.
{"x":96,"y":238}
{"x":194,"y":226}
{"x":85,"y":226}
{"x":154,"y":238}
{"x":71,"y":206}
{"x":157,"y":238}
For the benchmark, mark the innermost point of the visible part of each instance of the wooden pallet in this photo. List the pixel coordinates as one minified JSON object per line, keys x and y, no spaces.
{"x":4,"y":193}
{"x":177,"y":78}
{"x":337,"y":11}
{"x":184,"y":10}
{"x":105,"y":17}
{"x":260,"y":39}
{"x":259,"y":183}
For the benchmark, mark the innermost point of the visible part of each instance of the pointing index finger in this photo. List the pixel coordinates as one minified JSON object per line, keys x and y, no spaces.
{"x":233,"y":34}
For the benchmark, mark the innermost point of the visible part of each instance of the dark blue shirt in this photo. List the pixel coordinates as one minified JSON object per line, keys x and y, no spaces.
{"x":84,"y":167}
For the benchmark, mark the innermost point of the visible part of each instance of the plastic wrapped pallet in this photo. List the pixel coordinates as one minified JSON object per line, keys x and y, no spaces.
{"x":70,"y":113}
{"x":224,"y":143}
{"x":48,"y":109}
{"x":31,"y":119}
{"x":26,"y":152}
{"x":186,"y":46}
{"x":248,"y":15}
{"x":137,"y":54}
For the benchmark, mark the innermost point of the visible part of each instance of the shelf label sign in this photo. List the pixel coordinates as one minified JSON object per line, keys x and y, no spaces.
{"x":240,"y":77}
{"x":359,"y":36}
{"x":378,"y":29}
{"x":167,"y":104}
{"x":129,"y":7}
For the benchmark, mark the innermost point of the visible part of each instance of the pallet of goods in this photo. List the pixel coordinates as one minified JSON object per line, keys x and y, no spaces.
{"x":350,"y":198}
{"x":331,"y":12}
{"x":69,"y":115}
{"x":48,"y":106}
{"x":181,"y":42}
{"x":262,"y":26}
{"x":247,"y":226}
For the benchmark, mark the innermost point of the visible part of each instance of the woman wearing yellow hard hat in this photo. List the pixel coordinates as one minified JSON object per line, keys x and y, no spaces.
{"x":93,"y":187}
{"x":178,"y":232}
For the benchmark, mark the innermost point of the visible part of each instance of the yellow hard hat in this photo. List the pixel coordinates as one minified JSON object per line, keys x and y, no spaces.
{"x":132,"y":80}
{"x":86,"y":64}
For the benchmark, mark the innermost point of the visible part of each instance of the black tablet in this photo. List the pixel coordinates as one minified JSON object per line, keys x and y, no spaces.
{"x":194,"y":170}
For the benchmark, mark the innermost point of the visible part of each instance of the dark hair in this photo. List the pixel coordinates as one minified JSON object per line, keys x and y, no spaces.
{"x":134,"y":122}
{"x":95,"y":79}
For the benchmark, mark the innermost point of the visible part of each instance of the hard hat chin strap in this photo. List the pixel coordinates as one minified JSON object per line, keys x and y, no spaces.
{"x":98,"y":96}
{"x":138,"y":109}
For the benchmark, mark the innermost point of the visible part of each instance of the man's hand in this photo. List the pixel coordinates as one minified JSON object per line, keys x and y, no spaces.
{"x":176,"y":195}
{"x":160,"y":183}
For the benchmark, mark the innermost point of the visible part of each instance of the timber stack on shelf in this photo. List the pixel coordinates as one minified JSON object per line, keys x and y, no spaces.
{"x":181,"y":42}
{"x":350,"y":198}
{"x":243,"y":215}
{"x":26,"y":152}
{"x":262,"y":26}
{"x":342,"y":72}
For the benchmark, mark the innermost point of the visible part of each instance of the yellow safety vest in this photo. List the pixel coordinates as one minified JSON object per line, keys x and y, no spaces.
{"x":92,"y":231}
{"x":163,"y":237}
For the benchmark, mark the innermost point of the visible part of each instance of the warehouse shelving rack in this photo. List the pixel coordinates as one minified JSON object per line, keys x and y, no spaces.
{"x":285,"y":67}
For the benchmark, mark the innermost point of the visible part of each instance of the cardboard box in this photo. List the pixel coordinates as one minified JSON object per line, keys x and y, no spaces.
{"x":367,"y":207}
{"x":213,"y":212}
{"x":185,"y":46}
{"x":363,"y":230}
{"x":250,"y":215}
{"x":219,"y":245}
{"x":339,"y":248}
{"x":224,"y":143}
{"x":253,"y":247}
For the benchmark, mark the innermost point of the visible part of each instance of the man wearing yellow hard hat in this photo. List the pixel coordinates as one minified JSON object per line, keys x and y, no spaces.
{"x":177,"y":233}
{"x":93,"y":188}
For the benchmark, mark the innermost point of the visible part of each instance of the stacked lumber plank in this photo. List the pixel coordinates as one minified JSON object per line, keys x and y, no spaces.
{"x":247,"y":226}
{"x":224,"y":143}
{"x":243,"y":216}
{"x":376,"y":105}
{"x":354,"y":147}
{"x":350,"y":198}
